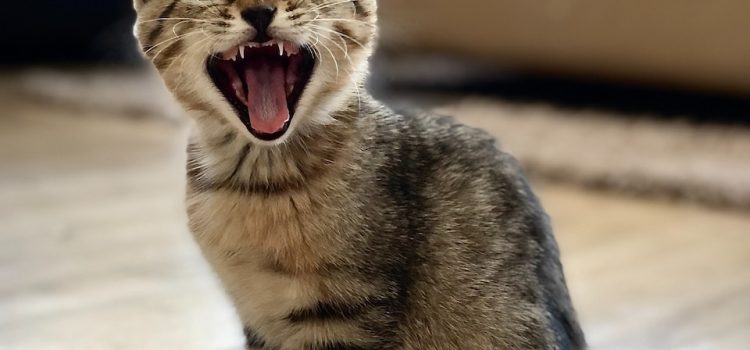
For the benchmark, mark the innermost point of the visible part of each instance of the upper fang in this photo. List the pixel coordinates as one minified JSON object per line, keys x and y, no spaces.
{"x":281,"y":48}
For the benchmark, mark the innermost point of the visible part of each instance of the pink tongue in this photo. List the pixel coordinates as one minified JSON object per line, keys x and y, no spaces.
{"x":266,"y":98}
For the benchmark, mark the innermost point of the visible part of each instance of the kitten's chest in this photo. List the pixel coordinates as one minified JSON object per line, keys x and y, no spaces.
{"x":294,"y":232}
{"x":266,"y":252}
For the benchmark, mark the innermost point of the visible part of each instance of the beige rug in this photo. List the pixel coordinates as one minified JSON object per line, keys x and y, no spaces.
{"x":709,"y":164}
{"x":597,"y":148}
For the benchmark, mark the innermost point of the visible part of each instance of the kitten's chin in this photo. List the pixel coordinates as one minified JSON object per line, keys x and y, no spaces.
{"x":264,"y":84}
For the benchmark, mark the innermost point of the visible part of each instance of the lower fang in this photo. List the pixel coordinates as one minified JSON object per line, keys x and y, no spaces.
{"x":290,"y":48}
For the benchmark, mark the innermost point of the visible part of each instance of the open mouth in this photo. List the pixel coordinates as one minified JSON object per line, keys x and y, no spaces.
{"x":264,"y":83}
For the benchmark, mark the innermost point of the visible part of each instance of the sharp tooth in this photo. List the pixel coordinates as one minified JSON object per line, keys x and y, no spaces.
{"x":291,"y":49}
{"x":281,"y":49}
{"x":242,"y":52}
{"x":227,"y":55}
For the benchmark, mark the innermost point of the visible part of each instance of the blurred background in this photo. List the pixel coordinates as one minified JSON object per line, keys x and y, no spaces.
{"x":631,"y":117}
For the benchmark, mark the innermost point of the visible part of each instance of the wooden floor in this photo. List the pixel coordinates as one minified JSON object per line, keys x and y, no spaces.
{"x":94,"y":253}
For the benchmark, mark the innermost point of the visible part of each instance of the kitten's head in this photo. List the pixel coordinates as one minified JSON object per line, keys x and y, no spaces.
{"x":266,"y":67}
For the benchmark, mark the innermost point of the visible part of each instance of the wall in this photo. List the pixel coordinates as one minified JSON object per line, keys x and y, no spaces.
{"x":689,"y":43}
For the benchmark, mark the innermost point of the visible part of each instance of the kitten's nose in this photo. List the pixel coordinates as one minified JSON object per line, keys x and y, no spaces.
{"x":260,"y":18}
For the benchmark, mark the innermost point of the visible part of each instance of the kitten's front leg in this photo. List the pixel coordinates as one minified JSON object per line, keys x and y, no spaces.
{"x":253,"y":341}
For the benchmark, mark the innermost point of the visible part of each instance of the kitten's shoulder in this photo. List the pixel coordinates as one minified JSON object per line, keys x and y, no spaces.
{"x":445,"y":141}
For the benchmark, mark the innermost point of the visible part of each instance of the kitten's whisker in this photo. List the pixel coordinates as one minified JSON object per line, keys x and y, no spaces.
{"x":326,"y":3}
{"x":183,"y":58}
{"x":174,"y":27}
{"x":169,"y":40}
{"x":345,"y":49}
{"x":345,"y":20}
{"x":314,"y":48}
{"x":335,"y":62}
{"x":339,"y":33}
{"x":173,"y":41}
{"x":176,"y":19}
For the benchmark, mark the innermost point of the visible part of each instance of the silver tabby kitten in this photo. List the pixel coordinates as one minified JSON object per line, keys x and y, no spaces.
{"x":333,"y":222}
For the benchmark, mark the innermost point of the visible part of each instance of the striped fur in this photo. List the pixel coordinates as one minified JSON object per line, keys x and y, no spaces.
{"x":363,"y":228}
